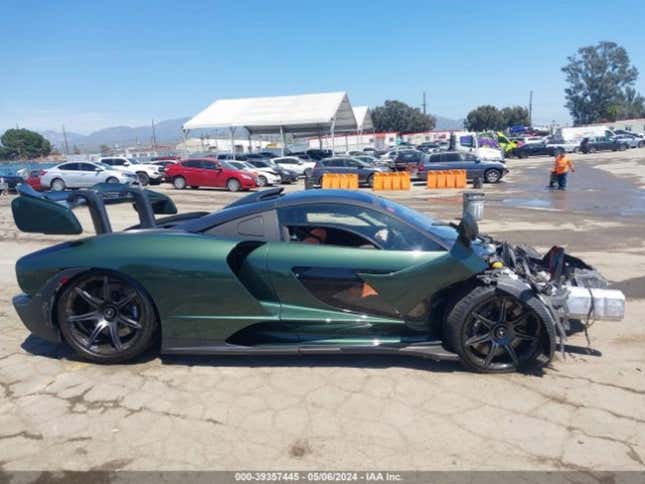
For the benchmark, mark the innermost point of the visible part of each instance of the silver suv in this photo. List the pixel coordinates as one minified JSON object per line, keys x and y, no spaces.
{"x":490,"y":171}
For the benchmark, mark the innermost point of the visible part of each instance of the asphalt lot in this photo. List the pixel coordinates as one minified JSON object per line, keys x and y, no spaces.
{"x":586,"y":412}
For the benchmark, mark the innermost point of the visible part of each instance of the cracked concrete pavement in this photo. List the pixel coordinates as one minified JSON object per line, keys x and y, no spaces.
{"x":585,"y":412}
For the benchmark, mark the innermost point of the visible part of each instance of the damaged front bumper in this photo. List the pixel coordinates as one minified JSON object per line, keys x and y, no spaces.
{"x":570,"y":289}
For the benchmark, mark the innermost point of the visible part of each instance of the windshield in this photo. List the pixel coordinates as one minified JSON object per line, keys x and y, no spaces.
{"x":420,"y":220}
{"x":238,"y":164}
{"x":133,"y":161}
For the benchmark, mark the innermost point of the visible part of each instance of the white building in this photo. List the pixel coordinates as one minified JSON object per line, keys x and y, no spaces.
{"x":240,"y":145}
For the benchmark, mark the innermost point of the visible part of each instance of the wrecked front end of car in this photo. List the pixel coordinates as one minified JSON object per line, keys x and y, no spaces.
{"x":571,"y":290}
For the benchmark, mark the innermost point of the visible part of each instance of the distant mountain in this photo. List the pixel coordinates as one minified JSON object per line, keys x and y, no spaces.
{"x":166,"y":132}
{"x":447,"y":123}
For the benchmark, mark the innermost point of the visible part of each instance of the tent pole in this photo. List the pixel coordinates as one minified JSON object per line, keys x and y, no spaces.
{"x":184,"y":132}
{"x":233,"y":141}
{"x":250,"y":144}
{"x":284,"y":139}
{"x":319,"y":140}
{"x":333,"y":140}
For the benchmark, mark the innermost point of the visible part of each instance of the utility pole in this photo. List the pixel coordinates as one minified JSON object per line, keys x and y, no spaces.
{"x":424,"y":102}
{"x":65,"y":141}
{"x":154,"y":136}
{"x":531,"y":109}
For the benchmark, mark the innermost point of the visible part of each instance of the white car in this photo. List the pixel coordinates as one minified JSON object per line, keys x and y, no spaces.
{"x":83,"y":174}
{"x":264,"y":176}
{"x":146,"y":173}
{"x":293,"y":163}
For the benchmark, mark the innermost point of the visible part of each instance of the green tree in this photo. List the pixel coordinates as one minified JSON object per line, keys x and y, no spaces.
{"x":398,"y":116}
{"x":600,"y":84}
{"x":515,"y":116}
{"x":632,"y":105}
{"x":484,"y":118}
{"x":25,"y":144}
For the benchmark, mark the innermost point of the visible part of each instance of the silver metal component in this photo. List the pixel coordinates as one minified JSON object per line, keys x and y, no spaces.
{"x":474,"y":205}
{"x":601,"y":304}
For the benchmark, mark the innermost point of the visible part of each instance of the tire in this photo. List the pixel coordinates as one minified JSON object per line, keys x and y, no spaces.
{"x":622,"y":147}
{"x":233,"y":185}
{"x":112,"y":180}
{"x":144,"y":179}
{"x":591,"y":150}
{"x":370,"y":181}
{"x":106,"y":317}
{"x":308,"y":172}
{"x":262,"y":181}
{"x":492,"y":176}
{"x":641,"y":144}
{"x":179,"y":182}
{"x":523,"y":155}
{"x":491,"y":339}
{"x":57,"y":185}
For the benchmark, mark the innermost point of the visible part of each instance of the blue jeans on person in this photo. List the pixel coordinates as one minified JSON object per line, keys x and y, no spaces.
{"x":562,"y":181}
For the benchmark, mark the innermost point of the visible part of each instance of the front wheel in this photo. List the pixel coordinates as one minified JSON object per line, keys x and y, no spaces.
{"x":106,"y":318}
{"x":262,"y":181}
{"x":233,"y":185}
{"x":492,"y":176}
{"x":494,"y":332}
{"x":179,"y":182}
{"x":112,"y":180}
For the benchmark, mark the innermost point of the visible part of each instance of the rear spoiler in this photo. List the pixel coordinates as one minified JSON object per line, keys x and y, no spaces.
{"x":51,"y":212}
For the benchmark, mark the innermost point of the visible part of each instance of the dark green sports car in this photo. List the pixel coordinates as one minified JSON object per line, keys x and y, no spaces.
{"x":324,"y":271}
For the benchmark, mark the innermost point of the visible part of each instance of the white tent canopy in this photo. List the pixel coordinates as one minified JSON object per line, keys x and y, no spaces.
{"x":363,"y":117}
{"x":303,"y":115}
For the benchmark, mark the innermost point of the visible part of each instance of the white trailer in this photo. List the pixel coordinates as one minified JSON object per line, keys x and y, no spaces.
{"x":576,"y":134}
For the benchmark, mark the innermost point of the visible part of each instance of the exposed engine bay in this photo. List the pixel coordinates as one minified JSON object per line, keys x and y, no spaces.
{"x":571,"y":289}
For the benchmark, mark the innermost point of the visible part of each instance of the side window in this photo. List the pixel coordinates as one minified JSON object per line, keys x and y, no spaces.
{"x":260,"y":226}
{"x":192,"y":164}
{"x":117,"y":162}
{"x":208,"y":165}
{"x":69,"y":167}
{"x":86,"y":167}
{"x":351,"y":226}
{"x":452,"y":157}
{"x":108,"y":161}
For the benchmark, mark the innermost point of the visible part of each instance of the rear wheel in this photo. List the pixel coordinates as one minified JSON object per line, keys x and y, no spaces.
{"x":523,"y":154}
{"x":494,"y":332}
{"x":233,"y":185}
{"x":308,"y":172}
{"x":179,"y":182}
{"x":370,"y":181}
{"x":112,"y":180}
{"x":622,"y":147}
{"x":106,"y":318}
{"x":262,"y":181}
{"x":57,"y":185}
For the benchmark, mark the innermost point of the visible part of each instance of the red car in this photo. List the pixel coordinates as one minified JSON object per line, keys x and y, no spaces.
{"x":34,"y":180}
{"x":207,"y":172}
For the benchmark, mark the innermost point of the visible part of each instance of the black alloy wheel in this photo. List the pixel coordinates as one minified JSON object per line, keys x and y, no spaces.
{"x":494,"y":332}
{"x":106,"y":318}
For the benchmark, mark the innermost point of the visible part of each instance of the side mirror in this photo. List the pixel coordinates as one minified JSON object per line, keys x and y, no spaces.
{"x":127,"y":163}
{"x":97,"y":169}
{"x":467,"y":229}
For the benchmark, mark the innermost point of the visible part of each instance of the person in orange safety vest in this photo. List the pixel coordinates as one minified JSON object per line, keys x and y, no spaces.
{"x":560,"y":171}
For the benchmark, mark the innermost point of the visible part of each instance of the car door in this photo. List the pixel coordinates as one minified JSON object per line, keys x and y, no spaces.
{"x":68,"y":173}
{"x":87,"y":175}
{"x":321,"y":287}
{"x":209,"y":173}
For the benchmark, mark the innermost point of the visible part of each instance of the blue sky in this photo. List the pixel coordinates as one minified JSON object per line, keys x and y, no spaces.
{"x":90,"y":64}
